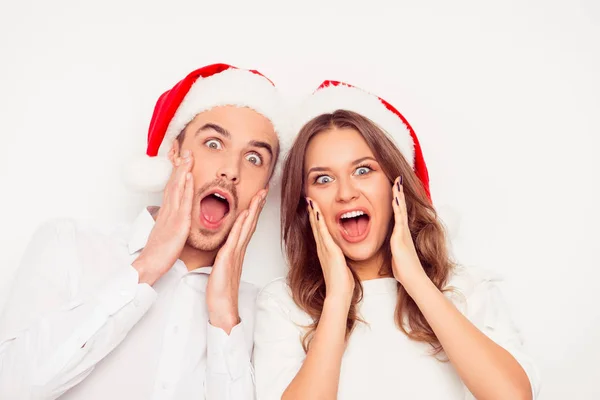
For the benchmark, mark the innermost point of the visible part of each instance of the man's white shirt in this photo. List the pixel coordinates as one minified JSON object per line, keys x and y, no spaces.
{"x":79,"y":324}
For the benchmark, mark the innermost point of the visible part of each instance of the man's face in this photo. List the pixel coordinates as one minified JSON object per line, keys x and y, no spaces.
{"x":234,"y":151}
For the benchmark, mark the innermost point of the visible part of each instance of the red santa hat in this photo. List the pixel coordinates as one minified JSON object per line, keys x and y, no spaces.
{"x":334,"y":95}
{"x":205,"y":88}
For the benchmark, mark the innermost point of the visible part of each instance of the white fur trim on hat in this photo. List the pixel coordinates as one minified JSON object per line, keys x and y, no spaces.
{"x":343,"y":97}
{"x":232,"y":87}
{"x":147,"y":174}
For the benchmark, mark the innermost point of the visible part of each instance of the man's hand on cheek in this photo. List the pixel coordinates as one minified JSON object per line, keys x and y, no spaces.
{"x":224,"y":281}
{"x":172,"y":226}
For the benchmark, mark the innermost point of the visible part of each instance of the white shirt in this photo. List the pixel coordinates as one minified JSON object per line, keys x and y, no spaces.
{"x":79,"y":323}
{"x":380,"y":362}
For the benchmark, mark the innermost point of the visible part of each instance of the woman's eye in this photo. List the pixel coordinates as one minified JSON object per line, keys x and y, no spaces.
{"x":213,"y":144}
{"x":323,"y":179}
{"x":363,"y":170}
{"x":254,"y":159}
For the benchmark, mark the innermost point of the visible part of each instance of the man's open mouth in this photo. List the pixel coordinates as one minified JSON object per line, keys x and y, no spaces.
{"x":214,"y":207}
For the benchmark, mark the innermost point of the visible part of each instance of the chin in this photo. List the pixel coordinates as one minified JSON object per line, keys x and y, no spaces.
{"x":359,"y":251}
{"x":206,"y":241}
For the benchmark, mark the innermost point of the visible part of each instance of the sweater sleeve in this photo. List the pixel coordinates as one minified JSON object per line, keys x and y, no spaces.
{"x":487,"y":310}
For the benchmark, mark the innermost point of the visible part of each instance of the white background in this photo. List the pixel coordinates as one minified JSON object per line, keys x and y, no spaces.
{"x":504,"y":96}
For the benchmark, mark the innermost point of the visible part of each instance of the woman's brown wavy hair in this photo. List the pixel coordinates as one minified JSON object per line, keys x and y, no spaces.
{"x":305,"y":276}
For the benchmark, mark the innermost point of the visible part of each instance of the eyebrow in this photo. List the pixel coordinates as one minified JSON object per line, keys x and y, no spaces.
{"x":262,"y":145}
{"x":355,"y":162}
{"x":225,"y":133}
{"x":363,"y":159}
{"x":219,"y":129}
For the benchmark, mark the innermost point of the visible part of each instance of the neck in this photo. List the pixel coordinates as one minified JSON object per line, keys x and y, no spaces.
{"x":194,"y":258}
{"x":370,"y":268}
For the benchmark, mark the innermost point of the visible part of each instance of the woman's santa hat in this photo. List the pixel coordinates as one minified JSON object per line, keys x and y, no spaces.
{"x":205,"y":88}
{"x":334,"y":95}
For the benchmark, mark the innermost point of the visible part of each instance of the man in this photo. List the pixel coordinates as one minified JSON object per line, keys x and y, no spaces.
{"x":138,"y":314}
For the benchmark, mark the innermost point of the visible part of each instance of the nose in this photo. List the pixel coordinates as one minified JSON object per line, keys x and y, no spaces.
{"x":346,"y":191}
{"x":229,"y":171}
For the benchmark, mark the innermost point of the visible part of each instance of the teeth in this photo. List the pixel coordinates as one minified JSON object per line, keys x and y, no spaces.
{"x":352,"y":214}
{"x":219,"y":196}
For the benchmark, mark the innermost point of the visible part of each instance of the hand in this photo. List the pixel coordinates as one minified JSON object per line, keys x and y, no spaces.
{"x":172,"y":226}
{"x":338,"y":277}
{"x":224,"y":281}
{"x":405,"y":261}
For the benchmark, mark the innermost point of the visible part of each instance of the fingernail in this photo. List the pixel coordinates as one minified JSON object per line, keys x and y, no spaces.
{"x":401,"y":181}
{"x":178,"y":162}
{"x":317,"y":215}
{"x":311,"y":205}
{"x":398,"y":185}
{"x":397,"y":202}
{"x":186,"y":153}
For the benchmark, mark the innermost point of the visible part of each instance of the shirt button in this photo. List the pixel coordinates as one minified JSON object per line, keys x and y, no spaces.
{"x":136,"y":303}
{"x":165,"y":386}
{"x":175,"y":330}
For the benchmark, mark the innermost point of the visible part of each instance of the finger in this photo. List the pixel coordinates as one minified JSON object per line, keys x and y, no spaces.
{"x":319,"y":228}
{"x":177,"y":187}
{"x":326,"y":239}
{"x":188,"y":195}
{"x":399,"y":202}
{"x":185,"y":166}
{"x":313,"y":223}
{"x":250,"y":224}
{"x":234,"y":234}
{"x":175,"y":176}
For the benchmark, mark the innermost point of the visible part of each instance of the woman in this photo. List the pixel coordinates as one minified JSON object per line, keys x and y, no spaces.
{"x":372,"y":307}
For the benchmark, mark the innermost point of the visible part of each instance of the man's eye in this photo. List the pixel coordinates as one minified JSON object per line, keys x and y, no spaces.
{"x":254,"y":159}
{"x":323,"y":179}
{"x":213,"y":144}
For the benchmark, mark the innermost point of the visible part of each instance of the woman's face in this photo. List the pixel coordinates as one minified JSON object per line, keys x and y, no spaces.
{"x":355,"y":196}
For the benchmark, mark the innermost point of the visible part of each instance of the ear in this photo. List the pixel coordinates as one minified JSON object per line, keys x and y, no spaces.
{"x":174,"y":152}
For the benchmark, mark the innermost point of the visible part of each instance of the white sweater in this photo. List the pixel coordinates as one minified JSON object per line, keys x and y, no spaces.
{"x":380,"y":362}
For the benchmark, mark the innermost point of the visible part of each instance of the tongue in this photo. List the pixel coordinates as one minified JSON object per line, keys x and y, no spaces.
{"x":212,"y":209}
{"x":355,"y":226}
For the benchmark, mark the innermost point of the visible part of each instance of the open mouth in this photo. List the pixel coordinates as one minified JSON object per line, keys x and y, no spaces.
{"x":354,"y":225}
{"x":214,"y":207}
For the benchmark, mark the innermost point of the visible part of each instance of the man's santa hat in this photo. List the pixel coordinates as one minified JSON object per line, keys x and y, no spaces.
{"x":334,"y":95}
{"x":205,"y":88}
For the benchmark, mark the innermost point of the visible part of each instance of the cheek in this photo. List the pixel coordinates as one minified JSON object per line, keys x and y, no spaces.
{"x":381,"y":196}
{"x":248,"y":188}
{"x":201,"y":175}
{"x":324,"y":197}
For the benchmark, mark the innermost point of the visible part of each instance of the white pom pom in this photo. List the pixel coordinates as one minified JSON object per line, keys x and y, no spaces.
{"x":147,"y":174}
{"x":451,"y":220}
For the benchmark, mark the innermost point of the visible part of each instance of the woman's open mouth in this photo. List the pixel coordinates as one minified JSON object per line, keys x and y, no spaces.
{"x":354,"y":224}
{"x":214,"y":208}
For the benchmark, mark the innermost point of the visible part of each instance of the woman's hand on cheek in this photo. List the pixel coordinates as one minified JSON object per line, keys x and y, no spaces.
{"x":405,"y":261}
{"x":339,"y":281}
